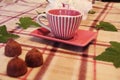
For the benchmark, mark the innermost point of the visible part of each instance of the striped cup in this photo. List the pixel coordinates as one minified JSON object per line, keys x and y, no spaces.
{"x":63,"y":23}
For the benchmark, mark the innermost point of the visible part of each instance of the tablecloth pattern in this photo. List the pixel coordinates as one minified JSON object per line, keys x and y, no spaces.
{"x":62,"y":61}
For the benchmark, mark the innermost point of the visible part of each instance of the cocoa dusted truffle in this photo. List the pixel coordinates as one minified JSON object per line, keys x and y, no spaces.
{"x":16,"y":67}
{"x":12,"y":48}
{"x":34,"y":58}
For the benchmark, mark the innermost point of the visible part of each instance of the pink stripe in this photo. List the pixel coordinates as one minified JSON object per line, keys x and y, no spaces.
{"x":53,"y":27}
{"x":71,"y":30}
{"x":67,"y":52}
{"x":57,"y":31}
{"x":68,"y":32}
{"x":57,"y":28}
{"x":21,"y":14}
{"x":94,"y":23}
{"x":60,"y":24}
{"x":64,"y":26}
{"x":83,"y":66}
{"x":108,"y":12}
{"x":67,"y":24}
{"x":47,"y":62}
{"x":60,"y":27}
{"x":56,"y":24}
{"x":53,"y":23}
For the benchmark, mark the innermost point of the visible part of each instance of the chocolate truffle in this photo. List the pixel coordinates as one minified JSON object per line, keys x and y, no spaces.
{"x":34,"y":58}
{"x":12,"y":48}
{"x":16,"y":67}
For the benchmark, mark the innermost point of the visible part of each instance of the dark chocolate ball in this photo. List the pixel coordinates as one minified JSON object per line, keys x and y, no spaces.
{"x":34,"y":58}
{"x":12,"y":48}
{"x":16,"y":67}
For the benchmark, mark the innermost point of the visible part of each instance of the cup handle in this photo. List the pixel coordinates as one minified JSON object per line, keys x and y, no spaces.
{"x":41,"y":23}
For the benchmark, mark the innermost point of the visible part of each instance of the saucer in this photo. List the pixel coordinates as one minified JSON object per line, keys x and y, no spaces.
{"x":82,"y":37}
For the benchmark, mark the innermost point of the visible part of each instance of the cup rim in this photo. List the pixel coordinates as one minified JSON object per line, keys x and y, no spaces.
{"x":77,"y":15}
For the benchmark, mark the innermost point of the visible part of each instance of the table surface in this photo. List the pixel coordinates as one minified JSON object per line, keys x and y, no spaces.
{"x":62,"y":61}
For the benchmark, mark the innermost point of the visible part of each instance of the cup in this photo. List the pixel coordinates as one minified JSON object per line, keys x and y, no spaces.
{"x":62,"y":23}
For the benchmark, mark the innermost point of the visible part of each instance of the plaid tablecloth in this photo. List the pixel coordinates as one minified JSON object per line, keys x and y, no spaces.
{"x":62,"y":61}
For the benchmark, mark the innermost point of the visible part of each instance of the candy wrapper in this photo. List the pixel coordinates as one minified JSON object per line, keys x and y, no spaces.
{"x":81,"y":5}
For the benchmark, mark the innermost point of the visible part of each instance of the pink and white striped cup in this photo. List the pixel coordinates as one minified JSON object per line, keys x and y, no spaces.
{"x":63,"y":23}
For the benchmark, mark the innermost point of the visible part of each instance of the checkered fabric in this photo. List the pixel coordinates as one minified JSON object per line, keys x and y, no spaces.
{"x":62,"y":61}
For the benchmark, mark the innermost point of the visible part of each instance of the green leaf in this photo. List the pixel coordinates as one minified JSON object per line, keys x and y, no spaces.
{"x":4,"y":35}
{"x":106,"y":56}
{"x":111,"y":54}
{"x":26,"y":22}
{"x":91,"y":12}
{"x":3,"y":30}
{"x":106,"y":26}
{"x":98,"y":27}
{"x":116,"y":62}
{"x":115,"y":45}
